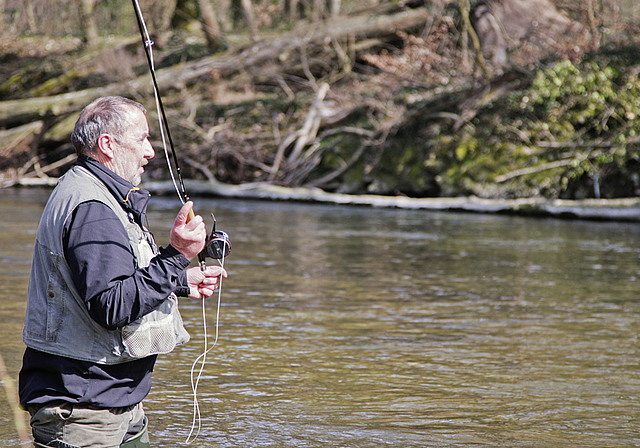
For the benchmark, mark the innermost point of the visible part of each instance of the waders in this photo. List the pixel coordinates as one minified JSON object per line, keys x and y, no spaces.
{"x":140,"y":440}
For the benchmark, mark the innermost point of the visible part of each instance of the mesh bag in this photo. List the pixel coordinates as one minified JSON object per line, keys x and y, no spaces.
{"x":155,"y":333}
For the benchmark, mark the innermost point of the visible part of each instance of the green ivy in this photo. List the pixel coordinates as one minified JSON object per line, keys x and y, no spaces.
{"x":584,"y":114}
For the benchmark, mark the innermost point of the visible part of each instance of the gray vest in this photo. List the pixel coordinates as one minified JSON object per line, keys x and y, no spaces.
{"x":57,"y":319}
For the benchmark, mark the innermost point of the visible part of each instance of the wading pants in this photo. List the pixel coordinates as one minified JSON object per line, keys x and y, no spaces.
{"x":64,"y":425}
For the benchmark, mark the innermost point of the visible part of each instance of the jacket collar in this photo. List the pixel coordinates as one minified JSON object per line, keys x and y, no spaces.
{"x":131,"y":198}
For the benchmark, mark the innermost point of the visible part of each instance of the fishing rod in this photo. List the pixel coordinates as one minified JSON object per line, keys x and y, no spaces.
{"x":217,"y":244}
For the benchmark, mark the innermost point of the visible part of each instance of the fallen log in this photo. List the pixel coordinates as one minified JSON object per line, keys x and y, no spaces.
{"x":37,"y":177}
{"x":625,"y":209}
{"x":18,"y":139}
{"x":16,"y":112}
{"x":282,"y":49}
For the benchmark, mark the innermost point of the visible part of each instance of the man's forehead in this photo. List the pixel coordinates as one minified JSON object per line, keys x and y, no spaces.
{"x":139,"y":124}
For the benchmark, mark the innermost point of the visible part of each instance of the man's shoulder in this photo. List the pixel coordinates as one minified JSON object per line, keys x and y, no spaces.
{"x":79,"y":176}
{"x":78,"y":185}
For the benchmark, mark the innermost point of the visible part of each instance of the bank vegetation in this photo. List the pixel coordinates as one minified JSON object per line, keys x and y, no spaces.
{"x":503,"y":99}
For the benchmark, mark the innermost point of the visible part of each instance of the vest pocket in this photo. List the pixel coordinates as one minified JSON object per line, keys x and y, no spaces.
{"x":56,"y":297}
{"x":155,"y":333}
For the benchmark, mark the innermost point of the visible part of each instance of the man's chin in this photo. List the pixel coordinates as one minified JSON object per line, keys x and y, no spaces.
{"x":138,"y":177}
{"x":136,"y":180}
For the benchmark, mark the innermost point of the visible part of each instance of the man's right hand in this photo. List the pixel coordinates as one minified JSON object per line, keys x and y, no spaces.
{"x":188,"y":236}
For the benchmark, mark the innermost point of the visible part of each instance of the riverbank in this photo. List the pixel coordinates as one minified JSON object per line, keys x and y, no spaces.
{"x":623,"y":209}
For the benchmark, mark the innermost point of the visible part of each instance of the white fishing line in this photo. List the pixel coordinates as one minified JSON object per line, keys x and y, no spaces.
{"x":166,"y":135}
{"x":195,"y":380}
{"x":148,"y":43}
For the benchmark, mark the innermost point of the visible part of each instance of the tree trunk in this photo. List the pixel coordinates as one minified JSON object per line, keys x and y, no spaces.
{"x":211,"y":26}
{"x":165,"y":17}
{"x":223,"y":12}
{"x":503,"y":25}
{"x":247,"y":9}
{"x":89,"y":24}
{"x":3,"y":5}
{"x":335,"y":8}
{"x":593,"y":26}
{"x":291,"y":7}
{"x":468,"y":28}
{"x":31,"y":17}
{"x":159,"y":14}
{"x":319,"y":11}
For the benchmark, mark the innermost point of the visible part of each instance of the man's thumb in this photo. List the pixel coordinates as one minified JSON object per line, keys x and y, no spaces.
{"x":183,"y":215}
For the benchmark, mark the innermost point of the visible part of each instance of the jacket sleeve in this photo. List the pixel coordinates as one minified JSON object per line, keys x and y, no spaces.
{"x":104,"y":270}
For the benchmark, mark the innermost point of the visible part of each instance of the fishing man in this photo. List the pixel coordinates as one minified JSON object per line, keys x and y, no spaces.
{"x":102,"y":300}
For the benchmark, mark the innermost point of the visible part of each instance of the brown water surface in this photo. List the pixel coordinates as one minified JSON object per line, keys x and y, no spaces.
{"x":362,"y":327}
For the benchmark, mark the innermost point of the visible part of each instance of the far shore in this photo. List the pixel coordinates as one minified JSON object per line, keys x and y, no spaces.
{"x":623,"y":209}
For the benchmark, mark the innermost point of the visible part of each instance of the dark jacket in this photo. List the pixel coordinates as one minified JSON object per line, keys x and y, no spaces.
{"x":116,"y":293}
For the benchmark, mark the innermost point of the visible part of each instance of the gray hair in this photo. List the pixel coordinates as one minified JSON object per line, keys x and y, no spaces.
{"x":107,"y":115}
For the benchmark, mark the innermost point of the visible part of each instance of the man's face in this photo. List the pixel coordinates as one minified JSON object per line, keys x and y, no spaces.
{"x":133,"y":150}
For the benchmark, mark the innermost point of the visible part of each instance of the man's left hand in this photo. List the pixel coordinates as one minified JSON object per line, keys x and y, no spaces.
{"x":202,"y":284}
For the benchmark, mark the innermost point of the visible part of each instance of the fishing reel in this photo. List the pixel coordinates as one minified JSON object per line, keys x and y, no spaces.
{"x":217,"y":245}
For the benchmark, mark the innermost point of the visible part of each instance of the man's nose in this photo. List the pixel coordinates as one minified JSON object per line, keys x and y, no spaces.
{"x":150,"y":152}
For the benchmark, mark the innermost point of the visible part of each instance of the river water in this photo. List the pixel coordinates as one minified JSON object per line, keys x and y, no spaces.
{"x":363,"y":327}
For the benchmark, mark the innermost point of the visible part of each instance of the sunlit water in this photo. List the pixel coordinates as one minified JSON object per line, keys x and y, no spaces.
{"x":361,"y":327}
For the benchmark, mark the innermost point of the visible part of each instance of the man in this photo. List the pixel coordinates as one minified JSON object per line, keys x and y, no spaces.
{"x":102,"y":297}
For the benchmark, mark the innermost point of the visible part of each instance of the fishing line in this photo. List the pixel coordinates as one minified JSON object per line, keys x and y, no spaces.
{"x":162,"y":116}
{"x":203,"y":359}
{"x":217,"y":244}
{"x":218,"y":247}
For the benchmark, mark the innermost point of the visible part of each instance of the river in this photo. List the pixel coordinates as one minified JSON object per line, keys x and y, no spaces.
{"x":364,"y":327}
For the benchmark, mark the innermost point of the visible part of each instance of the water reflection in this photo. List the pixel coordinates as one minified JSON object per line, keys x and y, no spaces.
{"x":359,"y":327}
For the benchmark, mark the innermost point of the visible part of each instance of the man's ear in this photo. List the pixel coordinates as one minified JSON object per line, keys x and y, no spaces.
{"x":106,"y":146}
